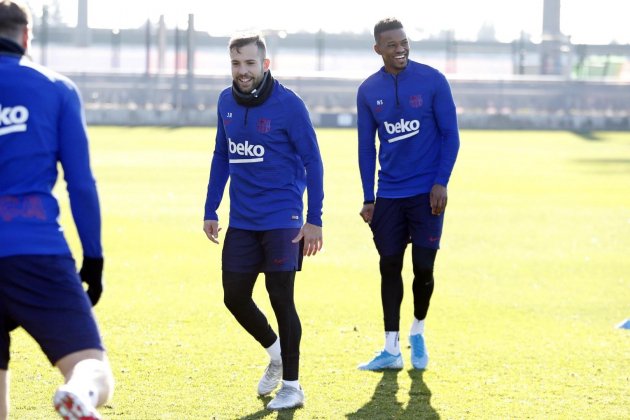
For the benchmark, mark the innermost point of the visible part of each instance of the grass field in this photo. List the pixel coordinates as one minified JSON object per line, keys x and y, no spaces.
{"x":533,"y":276}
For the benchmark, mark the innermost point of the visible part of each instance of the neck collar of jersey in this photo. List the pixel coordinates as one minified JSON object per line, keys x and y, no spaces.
{"x":256,"y":96}
{"x":11,"y":47}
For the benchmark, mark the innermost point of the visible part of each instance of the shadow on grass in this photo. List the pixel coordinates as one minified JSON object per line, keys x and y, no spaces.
{"x":263,"y":413}
{"x":384,"y":403}
{"x":604,"y":161}
{"x":587,"y":135}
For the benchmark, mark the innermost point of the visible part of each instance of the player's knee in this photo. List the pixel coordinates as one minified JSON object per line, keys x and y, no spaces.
{"x":233,"y":300}
{"x":423,"y":262}
{"x":391,"y":265}
{"x":280,"y":287}
{"x":235,"y":290}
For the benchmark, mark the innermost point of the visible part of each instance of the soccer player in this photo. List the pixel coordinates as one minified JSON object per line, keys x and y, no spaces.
{"x":266,"y":146}
{"x":41,"y":124}
{"x":410,"y":106}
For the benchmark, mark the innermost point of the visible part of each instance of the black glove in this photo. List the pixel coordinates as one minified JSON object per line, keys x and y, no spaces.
{"x":92,"y":274}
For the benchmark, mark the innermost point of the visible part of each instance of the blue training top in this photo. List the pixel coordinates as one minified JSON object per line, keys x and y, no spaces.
{"x":270,"y":153}
{"x":415,"y":116}
{"x":42,"y":123}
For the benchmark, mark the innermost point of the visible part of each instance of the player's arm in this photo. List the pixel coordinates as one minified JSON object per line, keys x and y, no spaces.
{"x":302,"y":134}
{"x":219,"y":174}
{"x":84,"y":203}
{"x":446,"y":119}
{"x":366,"y":129}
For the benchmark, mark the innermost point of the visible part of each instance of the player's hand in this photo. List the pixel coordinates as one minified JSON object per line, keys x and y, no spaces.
{"x":212,"y":229}
{"x":367,"y":212}
{"x":438,"y":198}
{"x":91,"y":273}
{"x":313,"y":238}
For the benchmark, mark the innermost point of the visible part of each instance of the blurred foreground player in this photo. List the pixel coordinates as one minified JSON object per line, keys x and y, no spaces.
{"x":41,"y":125}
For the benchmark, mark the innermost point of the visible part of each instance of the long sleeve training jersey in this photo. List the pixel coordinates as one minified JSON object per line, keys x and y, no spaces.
{"x":270,"y":154}
{"x":41,"y":124}
{"x":414,"y":115}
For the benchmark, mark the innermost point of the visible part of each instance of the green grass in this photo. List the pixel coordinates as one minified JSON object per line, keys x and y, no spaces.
{"x":533,"y":276}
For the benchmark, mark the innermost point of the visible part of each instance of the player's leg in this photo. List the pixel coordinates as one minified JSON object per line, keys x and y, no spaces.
{"x":423,"y":281}
{"x":392,"y":292}
{"x":423,"y":262}
{"x":6,"y":326}
{"x":88,"y":383}
{"x":426,"y":231}
{"x":63,"y":325}
{"x":5,"y":340}
{"x":4,"y":394}
{"x":282,"y":259}
{"x":242,"y":258}
{"x":237,"y":297}
{"x":390,"y":237}
{"x":280,"y":286}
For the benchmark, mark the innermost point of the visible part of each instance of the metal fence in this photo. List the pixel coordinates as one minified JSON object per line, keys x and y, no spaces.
{"x":515,"y":102}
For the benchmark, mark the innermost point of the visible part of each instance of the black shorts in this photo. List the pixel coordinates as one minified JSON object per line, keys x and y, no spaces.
{"x":44,"y":295}
{"x":251,"y":251}
{"x":399,"y":221}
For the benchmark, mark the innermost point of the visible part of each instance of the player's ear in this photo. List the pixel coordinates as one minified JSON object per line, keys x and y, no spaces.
{"x":266,"y":63}
{"x":26,"y":37}
{"x":377,"y":49}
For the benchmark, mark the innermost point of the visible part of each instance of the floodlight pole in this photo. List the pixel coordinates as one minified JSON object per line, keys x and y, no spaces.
{"x":82,"y":34}
{"x":43,"y":35}
{"x":148,"y":48}
{"x":190,"y":62}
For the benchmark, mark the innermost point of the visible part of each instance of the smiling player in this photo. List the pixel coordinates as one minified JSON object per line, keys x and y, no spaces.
{"x":411,"y":108}
{"x":266,"y":145}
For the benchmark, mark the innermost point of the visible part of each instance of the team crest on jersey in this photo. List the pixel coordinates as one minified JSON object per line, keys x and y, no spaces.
{"x":263,"y":125}
{"x":415,"y":101}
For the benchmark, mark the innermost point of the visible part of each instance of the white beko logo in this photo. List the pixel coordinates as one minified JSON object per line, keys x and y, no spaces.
{"x":406,"y":129}
{"x":13,"y":119}
{"x":251,"y":153}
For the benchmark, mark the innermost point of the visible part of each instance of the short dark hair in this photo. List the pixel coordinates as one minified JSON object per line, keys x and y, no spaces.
{"x":240,"y":40}
{"x":386,"y":24}
{"x":14,"y":16}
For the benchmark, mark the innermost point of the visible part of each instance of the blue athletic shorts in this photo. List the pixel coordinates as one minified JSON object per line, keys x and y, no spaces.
{"x":251,"y":251}
{"x":43,"y":294}
{"x":399,"y":221}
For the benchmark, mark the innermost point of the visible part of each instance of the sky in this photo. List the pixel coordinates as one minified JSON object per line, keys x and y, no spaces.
{"x":585,"y":21}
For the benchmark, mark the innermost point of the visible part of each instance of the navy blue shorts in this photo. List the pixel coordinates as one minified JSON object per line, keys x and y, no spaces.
{"x":43,"y":294}
{"x":251,"y":251}
{"x":399,"y":221}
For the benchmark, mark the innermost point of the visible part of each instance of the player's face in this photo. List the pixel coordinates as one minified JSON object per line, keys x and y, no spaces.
{"x":393,"y":47}
{"x":248,"y":67}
